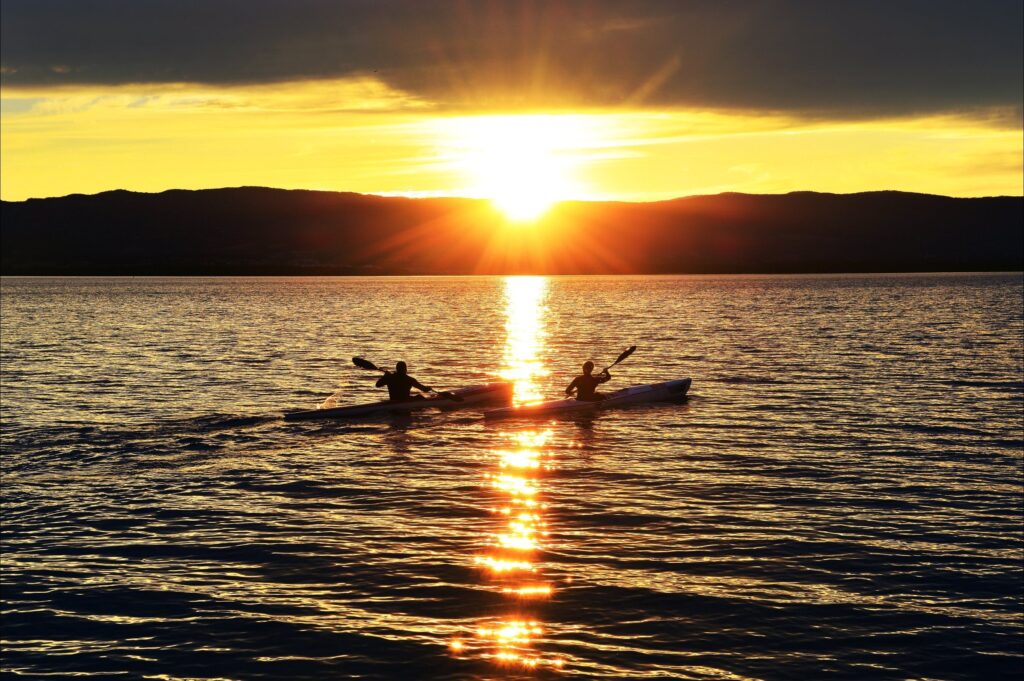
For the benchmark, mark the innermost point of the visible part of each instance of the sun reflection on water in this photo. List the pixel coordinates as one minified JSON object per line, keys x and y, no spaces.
{"x":524,"y":328}
{"x":511,"y":561}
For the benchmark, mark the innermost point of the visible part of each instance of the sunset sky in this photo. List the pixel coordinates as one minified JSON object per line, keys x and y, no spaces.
{"x":522,"y":102}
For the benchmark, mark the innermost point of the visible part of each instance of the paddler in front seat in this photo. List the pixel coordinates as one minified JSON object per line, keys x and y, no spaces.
{"x":585,"y":386}
{"x":400,"y":383}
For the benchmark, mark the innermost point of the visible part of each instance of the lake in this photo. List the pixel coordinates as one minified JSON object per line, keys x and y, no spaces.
{"x":839,"y":498}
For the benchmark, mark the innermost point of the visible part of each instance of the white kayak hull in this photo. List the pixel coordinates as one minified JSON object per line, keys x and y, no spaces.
{"x":637,"y":394}
{"x":477,"y":394}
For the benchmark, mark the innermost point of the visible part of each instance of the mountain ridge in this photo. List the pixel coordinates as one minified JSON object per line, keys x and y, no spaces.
{"x":260,"y":230}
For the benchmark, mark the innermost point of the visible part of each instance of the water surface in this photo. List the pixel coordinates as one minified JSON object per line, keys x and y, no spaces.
{"x":840,"y":497}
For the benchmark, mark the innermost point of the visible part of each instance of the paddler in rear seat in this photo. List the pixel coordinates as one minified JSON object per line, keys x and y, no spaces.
{"x":400,"y":383}
{"x":585,"y":386}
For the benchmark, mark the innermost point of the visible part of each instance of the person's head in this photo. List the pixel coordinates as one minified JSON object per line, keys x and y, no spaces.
{"x":401,"y":369}
{"x":588,"y":366}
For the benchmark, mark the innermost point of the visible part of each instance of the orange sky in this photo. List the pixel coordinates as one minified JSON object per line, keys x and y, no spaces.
{"x":293,"y":136}
{"x":629,"y":102}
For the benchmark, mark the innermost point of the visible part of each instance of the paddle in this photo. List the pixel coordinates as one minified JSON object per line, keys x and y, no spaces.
{"x":367,"y":364}
{"x":625,"y":353}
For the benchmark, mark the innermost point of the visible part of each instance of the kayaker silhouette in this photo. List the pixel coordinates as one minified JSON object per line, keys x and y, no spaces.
{"x":585,"y":386}
{"x":400,"y":383}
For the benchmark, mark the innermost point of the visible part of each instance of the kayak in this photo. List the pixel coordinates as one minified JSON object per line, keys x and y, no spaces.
{"x":477,"y":394}
{"x":637,"y":394}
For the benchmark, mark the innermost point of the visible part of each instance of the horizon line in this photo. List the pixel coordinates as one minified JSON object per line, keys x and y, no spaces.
{"x":443,"y":197}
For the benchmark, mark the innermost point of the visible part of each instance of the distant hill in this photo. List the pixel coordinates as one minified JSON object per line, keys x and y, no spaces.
{"x":254,"y":230}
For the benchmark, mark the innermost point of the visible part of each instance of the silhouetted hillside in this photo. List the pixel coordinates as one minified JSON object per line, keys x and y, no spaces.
{"x":273,"y":231}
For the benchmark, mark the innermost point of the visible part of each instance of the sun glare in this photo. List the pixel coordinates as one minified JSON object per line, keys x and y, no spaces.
{"x":523,"y":164}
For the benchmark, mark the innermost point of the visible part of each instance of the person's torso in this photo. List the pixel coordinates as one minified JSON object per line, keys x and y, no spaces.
{"x":398,"y":386}
{"x":585,"y":386}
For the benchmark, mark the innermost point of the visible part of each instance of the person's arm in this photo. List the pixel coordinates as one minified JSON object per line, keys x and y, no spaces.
{"x":572,"y":386}
{"x":604,"y":377}
{"x":419,"y":386}
{"x":383,"y":380}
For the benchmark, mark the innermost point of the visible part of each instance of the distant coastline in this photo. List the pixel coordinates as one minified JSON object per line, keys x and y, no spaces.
{"x":262,"y":231}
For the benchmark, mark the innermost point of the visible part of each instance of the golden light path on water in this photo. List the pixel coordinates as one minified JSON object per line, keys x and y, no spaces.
{"x":516,"y":482}
{"x":524,"y":327}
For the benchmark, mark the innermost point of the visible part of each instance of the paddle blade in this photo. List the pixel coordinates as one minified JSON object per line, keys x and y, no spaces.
{"x":625,"y":353}
{"x":365,"y":364}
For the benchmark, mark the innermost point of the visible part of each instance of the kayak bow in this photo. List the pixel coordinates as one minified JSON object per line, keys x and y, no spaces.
{"x":637,"y":394}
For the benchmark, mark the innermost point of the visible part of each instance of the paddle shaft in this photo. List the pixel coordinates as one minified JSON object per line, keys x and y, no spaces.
{"x":626,"y":353}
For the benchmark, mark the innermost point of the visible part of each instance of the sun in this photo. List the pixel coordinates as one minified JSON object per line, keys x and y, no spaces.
{"x":523,"y":163}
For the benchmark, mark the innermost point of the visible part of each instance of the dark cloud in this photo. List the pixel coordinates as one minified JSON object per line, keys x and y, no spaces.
{"x":864,"y":58}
